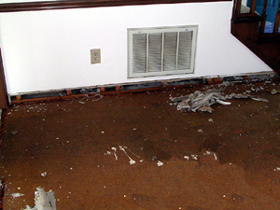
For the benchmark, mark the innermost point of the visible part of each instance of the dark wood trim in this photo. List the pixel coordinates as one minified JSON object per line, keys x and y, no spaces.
{"x":266,"y":50}
{"x":70,"y":4}
{"x":253,"y":6}
{"x":3,"y":88}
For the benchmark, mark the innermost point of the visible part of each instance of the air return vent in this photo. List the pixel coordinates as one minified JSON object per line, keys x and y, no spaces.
{"x":161,"y":51}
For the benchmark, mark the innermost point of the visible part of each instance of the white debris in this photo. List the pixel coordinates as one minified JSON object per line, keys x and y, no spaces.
{"x":131,"y":161}
{"x":223,"y":102}
{"x":207,"y":153}
{"x":186,"y":157}
{"x":202,"y":101}
{"x":210,"y":120}
{"x":123,"y":148}
{"x":16,"y":195}
{"x":97,"y":97}
{"x":44,"y":174}
{"x":108,"y":153}
{"x":115,"y":152}
{"x":43,"y":200}
{"x":200,"y":131}
{"x":194,"y":157}
{"x":276,"y":169}
{"x":215,"y":156}
{"x":131,"y":152}
{"x":159,"y":163}
{"x":211,"y":153}
{"x":199,"y":100}
{"x":260,"y":99}
{"x":273,"y":91}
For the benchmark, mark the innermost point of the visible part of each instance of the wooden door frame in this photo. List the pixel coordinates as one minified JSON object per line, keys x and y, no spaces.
{"x":3,"y":88}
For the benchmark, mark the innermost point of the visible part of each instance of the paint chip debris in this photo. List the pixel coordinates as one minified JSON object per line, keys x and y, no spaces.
{"x":186,"y":157}
{"x":131,"y":161}
{"x":194,"y":157}
{"x":43,"y":200}
{"x":159,"y":163}
{"x":16,"y":195}
{"x":200,"y":131}
{"x":125,"y":150}
{"x":274,"y":91}
{"x":202,"y":101}
{"x":211,"y":153}
{"x":115,"y":151}
{"x":44,"y":174}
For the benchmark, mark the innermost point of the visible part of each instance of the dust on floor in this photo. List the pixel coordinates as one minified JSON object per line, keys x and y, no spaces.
{"x":138,"y":152}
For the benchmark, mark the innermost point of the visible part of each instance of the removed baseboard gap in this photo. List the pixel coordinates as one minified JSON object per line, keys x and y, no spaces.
{"x":138,"y":87}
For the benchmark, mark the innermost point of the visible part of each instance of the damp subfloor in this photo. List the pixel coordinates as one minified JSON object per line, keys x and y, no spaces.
{"x":138,"y":152}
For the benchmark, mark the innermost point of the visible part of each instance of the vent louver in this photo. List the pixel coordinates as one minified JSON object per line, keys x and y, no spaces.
{"x":161,"y":51}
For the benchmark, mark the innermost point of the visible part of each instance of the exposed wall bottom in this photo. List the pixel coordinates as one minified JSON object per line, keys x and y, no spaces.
{"x":138,"y":87}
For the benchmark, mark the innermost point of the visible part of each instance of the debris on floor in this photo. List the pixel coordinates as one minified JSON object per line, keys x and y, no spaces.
{"x":94,"y":98}
{"x":16,"y":195}
{"x":124,"y":149}
{"x":236,"y":155}
{"x":210,"y":120}
{"x":44,"y":174}
{"x":211,"y":153}
{"x":193,"y":157}
{"x":202,"y":101}
{"x":43,"y":200}
{"x":277,"y":169}
{"x":274,"y":91}
{"x":245,"y":96}
{"x":159,"y":163}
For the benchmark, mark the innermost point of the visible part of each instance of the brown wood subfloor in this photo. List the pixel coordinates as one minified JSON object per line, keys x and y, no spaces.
{"x":229,"y":159}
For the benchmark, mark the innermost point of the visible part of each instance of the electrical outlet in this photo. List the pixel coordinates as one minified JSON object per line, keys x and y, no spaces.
{"x":95,"y":56}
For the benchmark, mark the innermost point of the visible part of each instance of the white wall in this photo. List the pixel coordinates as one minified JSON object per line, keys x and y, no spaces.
{"x":44,"y":50}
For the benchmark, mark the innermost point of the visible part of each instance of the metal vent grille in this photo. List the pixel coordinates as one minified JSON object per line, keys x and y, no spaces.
{"x":161,"y":51}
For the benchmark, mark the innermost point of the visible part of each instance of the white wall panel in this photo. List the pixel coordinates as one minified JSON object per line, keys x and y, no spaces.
{"x":46,"y":50}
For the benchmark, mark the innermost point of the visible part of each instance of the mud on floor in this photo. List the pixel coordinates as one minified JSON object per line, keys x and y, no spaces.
{"x":138,"y":152}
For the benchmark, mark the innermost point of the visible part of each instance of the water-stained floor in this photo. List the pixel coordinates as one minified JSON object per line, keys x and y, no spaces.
{"x":138,"y":152}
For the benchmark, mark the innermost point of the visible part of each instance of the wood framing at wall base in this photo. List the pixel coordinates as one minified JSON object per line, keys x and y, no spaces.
{"x":51,"y":5}
{"x":3,"y":87}
{"x":129,"y":88}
